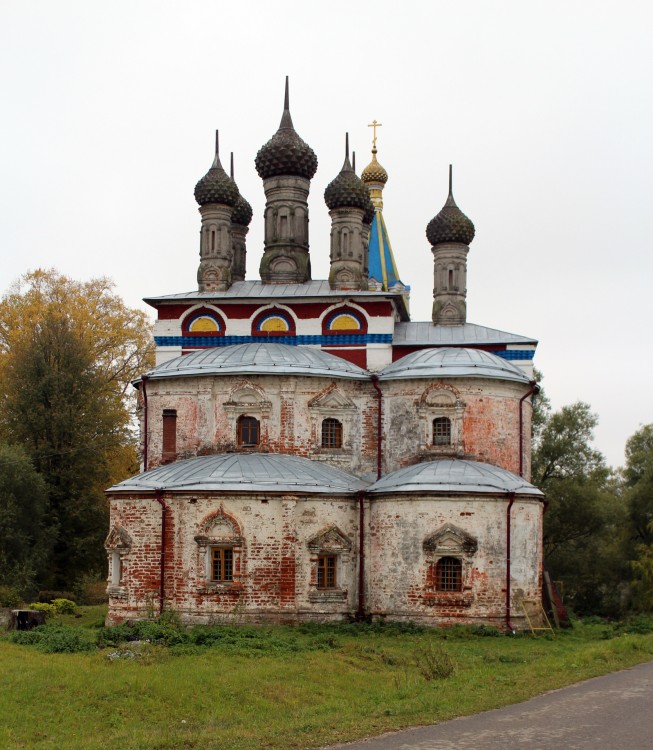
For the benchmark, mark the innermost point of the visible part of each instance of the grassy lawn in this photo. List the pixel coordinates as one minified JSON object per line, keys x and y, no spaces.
{"x":284,"y":687}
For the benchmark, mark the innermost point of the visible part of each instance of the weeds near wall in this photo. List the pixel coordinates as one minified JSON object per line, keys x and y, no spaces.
{"x":434,"y":663}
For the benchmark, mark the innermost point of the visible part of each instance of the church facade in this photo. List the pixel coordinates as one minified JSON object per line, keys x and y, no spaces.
{"x":309,"y":452}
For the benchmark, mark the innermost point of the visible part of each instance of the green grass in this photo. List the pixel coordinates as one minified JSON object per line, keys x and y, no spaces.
{"x":284,"y":687}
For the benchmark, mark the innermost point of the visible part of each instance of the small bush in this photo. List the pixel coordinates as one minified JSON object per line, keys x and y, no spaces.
{"x":49,"y":609}
{"x":65,"y":606}
{"x":9,"y":597}
{"x":47,"y":597}
{"x":54,"y":639}
{"x":434,"y":663}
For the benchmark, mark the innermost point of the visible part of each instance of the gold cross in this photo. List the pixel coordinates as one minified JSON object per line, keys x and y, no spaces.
{"x":374,"y":125}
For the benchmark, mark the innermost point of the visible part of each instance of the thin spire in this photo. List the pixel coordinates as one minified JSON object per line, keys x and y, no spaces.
{"x":231,"y":170}
{"x":353,"y":160}
{"x":451,"y":180}
{"x":216,"y":161}
{"x":347,"y":145}
{"x":286,"y":120}
{"x":346,"y":167}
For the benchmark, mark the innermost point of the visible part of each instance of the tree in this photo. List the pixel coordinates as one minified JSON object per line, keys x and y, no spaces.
{"x":24,"y":540}
{"x":585,"y":521}
{"x":68,"y":351}
{"x":119,"y":338}
{"x":638,"y":483}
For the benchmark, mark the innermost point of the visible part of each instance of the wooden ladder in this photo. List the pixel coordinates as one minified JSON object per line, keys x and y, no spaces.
{"x":536,"y":616}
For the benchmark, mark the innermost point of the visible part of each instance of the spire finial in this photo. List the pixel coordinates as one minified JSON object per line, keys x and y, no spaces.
{"x":347,"y":145}
{"x":286,"y":120}
{"x":231,"y":170}
{"x":216,"y":160}
{"x":353,"y":160}
{"x":451,"y":181}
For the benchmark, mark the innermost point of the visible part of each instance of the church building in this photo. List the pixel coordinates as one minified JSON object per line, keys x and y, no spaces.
{"x":310,"y":453}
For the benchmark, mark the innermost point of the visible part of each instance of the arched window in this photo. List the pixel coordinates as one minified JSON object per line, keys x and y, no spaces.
{"x":448,"y":574}
{"x":248,"y":432}
{"x":442,"y":431}
{"x":331,"y":433}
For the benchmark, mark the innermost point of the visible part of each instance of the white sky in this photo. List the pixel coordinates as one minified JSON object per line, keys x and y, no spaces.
{"x":545,"y":110}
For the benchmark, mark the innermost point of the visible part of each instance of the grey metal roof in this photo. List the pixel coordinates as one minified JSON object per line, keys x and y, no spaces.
{"x":245,"y":472}
{"x":452,"y":363}
{"x":260,"y":358}
{"x":454,"y":475}
{"x":427,"y":334}
{"x":259,"y":290}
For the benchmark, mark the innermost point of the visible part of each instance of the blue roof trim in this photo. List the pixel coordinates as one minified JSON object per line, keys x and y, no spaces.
{"x":526,"y":354}
{"x":331,"y":340}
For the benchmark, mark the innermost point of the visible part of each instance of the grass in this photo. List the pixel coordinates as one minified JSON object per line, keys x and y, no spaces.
{"x":283,"y":688}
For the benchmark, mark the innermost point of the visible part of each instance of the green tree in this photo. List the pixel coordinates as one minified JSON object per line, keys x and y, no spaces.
{"x":24,"y":540}
{"x":68,"y":351}
{"x":585,"y":522}
{"x":638,"y":484}
{"x":61,"y":409}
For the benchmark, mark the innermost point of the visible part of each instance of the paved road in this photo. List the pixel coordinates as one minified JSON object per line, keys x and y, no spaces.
{"x":614,"y":712}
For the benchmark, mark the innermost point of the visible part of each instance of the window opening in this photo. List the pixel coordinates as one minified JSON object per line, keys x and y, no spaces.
{"x":169,"y":448}
{"x":248,"y":431}
{"x":331,"y":433}
{"x":442,"y":431}
{"x":448,"y":574}
{"x":222,"y":564}
{"x":326,"y":572}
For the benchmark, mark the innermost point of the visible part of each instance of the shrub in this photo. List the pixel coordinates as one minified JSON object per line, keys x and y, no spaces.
{"x":54,"y":639}
{"x":49,"y":609}
{"x":64,"y":606}
{"x":47,"y":597}
{"x":9,"y":597}
{"x":434,"y":663}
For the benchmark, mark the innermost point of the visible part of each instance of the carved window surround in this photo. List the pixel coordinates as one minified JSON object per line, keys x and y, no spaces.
{"x":440,"y":400}
{"x":331,"y":542}
{"x":449,"y":541}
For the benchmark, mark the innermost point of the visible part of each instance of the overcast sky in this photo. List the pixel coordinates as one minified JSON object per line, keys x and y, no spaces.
{"x":544,"y":109}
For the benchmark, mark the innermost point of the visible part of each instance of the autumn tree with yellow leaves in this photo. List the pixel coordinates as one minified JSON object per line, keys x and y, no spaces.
{"x":68,"y":353}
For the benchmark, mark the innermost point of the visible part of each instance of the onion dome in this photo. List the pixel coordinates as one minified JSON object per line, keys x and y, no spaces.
{"x":216,"y":186}
{"x":347,"y":190}
{"x":451,"y":224}
{"x":286,"y":154}
{"x":242,"y":213}
{"x":374,"y":172}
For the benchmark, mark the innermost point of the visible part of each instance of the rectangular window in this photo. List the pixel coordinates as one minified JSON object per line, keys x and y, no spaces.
{"x":326,"y":572}
{"x":222,"y":564}
{"x":169,"y":434}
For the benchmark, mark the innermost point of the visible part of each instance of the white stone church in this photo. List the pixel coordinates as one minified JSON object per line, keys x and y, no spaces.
{"x":310,"y":453}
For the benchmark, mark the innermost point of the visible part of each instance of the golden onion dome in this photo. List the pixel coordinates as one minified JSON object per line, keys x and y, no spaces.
{"x":374,"y":172}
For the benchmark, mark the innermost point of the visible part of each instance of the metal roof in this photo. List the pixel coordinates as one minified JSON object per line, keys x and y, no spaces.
{"x":454,"y":475}
{"x":425,"y":333}
{"x":245,"y":472}
{"x":260,"y":358}
{"x":453,"y":363}
{"x":259,"y":290}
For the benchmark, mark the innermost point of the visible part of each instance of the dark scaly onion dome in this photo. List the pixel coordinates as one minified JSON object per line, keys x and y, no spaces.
{"x":374,"y":172}
{"x":368,"y":216}
{"x":216,"y":186}
{"x":242,"y":213}
{"x":286,"y":154}
{"x":347,"y":190}
{"x":451,"y":224}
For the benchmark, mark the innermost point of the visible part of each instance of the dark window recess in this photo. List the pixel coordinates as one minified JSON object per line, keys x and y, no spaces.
{"x":442,"y":431}
{"x":331,"y":433}
{"x":248,"y":432}
{"x":169,"y":434}
{"x":222,"y":564}
{"x":449,"y":574}
{"x":326,"y":572}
